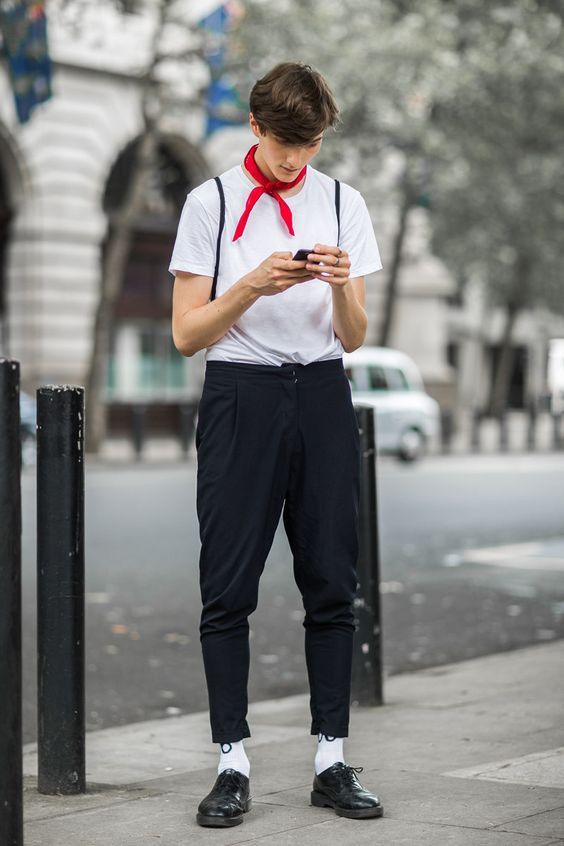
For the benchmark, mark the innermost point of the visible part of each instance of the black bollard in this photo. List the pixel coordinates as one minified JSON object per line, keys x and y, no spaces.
{"x":557,"y":429}
{"x":60,"y":589}
{"x":367,"y":646}
{"x":503,"y":432}
{"x":138,"y":427}
{"x":11,"y":780}
{"x":447,"y":429}
{"x":532,"y":426}
{"x":475,"y":432}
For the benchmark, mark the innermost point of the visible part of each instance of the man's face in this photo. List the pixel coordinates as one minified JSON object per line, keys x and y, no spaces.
{"x":283,"y":161}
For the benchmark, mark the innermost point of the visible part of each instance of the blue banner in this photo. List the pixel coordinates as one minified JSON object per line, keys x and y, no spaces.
{"x":23,"y":26}
{"x":225,"y":107}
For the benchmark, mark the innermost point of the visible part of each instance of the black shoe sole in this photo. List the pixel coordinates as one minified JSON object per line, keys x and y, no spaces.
{"x":216,"y":821}
{"x":322,"y":801}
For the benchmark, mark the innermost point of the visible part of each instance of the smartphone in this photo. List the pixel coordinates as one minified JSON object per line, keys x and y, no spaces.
{"x":302,"y":255}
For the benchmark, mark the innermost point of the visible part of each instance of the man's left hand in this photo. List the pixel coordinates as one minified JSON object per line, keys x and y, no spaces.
{"x":331,"y":264}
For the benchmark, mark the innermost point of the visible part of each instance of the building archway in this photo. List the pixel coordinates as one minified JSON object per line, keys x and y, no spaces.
{"x":144,"y":367}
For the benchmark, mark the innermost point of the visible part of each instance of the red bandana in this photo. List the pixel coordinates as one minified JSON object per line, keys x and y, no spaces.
{"x":266,"y":187}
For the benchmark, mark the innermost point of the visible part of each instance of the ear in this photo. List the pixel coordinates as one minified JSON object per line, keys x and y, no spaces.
{"x":254,"y":126}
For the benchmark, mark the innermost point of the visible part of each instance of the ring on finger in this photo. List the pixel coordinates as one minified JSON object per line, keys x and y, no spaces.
{"x":337,"y":263}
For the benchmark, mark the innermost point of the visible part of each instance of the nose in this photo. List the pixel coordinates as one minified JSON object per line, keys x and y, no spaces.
{"x":294,"y":158}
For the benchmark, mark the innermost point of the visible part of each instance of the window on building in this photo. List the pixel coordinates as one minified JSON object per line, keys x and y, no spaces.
{"x":452,"y":354}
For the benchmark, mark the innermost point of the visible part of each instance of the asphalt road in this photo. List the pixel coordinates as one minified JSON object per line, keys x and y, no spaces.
{"x":440,"y":601}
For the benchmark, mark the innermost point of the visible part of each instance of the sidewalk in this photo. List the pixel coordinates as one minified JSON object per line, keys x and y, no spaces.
{"x":467,"y":754}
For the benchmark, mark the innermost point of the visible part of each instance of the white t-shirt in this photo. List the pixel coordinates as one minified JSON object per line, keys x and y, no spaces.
{"x":295,"y":325}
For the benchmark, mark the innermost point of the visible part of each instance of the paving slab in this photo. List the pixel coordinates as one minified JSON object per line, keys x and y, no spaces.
{"x":541,"y":824}
{"x":545,"y":769}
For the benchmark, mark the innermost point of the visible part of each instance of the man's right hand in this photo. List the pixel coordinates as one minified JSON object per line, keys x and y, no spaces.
{"x":277,"y":273}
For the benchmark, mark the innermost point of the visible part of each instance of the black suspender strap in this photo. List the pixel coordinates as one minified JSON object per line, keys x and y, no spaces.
{"x":338,"y":209}
{"x":219,"y":234}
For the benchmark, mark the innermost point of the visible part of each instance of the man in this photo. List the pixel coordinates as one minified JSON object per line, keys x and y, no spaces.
{"x":276,"y":428}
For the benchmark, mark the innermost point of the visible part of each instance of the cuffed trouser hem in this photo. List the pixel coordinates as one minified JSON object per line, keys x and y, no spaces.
{"x":330,"y":731}
{"x":232,"y":735}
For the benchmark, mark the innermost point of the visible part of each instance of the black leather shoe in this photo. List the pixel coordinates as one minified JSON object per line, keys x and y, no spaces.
{"x":338,"y":787}
{"x":227,"y":801}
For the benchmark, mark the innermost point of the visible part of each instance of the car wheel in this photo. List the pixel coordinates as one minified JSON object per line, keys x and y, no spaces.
{"x":411,"y":445}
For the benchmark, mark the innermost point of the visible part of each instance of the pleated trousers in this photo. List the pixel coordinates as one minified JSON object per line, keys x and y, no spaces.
{"x":271,"y":441}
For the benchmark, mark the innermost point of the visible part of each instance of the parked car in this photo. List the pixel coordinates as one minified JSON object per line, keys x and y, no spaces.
{"x":407,"y":418}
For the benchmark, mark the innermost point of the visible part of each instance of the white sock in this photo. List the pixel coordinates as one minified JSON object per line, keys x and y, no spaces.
{"x":329,"y":751}
{"x":233,"y":755}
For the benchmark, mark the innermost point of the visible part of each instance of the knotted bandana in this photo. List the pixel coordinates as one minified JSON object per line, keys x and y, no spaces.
{"x":266,"y":187}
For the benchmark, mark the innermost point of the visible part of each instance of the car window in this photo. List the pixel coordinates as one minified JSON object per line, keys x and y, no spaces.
{"x":358,"y":377}
{"x":397,"y":380}
{"x":377,"y":378}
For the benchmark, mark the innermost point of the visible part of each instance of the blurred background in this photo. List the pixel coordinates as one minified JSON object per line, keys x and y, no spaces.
{"x":452,"y":127}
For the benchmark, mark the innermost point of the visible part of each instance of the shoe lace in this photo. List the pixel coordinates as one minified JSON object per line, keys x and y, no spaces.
{"x":229,"y":777}
{"x":350,"y":772}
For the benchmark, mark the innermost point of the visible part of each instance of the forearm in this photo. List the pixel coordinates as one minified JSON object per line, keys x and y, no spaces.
{"x":203,"y":326}
{"x":349,"y":317}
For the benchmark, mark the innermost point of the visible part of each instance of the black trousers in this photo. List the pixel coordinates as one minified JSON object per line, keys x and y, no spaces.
{"x":274,"y":440}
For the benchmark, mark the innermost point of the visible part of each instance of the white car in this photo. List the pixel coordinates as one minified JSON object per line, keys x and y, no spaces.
{"x":407,"y":419}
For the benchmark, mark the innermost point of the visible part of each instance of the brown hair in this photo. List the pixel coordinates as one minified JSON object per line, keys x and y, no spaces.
{"x":294,"y":103}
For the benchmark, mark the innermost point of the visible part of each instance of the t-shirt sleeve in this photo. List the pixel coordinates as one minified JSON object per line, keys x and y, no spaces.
{"x":358,"y":238}
{"x":195,"y":244}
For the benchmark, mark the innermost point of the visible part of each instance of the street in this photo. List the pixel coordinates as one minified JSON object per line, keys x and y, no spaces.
{"x":450,"y":587}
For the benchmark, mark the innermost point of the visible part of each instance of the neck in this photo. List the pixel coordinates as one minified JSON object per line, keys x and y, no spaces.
{"x":259,"y":159}
{"x":262,"y":165}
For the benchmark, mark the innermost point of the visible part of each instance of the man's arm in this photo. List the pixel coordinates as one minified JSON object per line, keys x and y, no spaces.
{"x":349,"y":315}
{"x":197,"y":323}
{"x":332,"y":265}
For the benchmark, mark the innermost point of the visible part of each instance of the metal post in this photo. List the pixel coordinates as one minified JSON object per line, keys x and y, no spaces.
{"x":138,"y":427}
{"x":532,"y":425}
{"x":503,"y":432}
{"x":475,"y":434}
{"x":556,"y":427}
{"x":367,"y":649}
{"x":447,"y":429}
{"x":11,"y":780}
{"x":60,"y":589}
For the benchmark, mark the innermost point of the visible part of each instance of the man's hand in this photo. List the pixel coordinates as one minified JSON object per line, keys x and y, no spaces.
{"x":277,"y":273}
{"x":331,"y":264}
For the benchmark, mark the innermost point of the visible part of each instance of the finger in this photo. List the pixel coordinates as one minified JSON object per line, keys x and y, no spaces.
{"x":330,"y":267}
{"x":288,"y":264}
{"x":297,"y":274}
{"x":329,"y":272}
{"x":329,"y":259}
{"x":328,"y":249}
{"x":286,"y":254}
